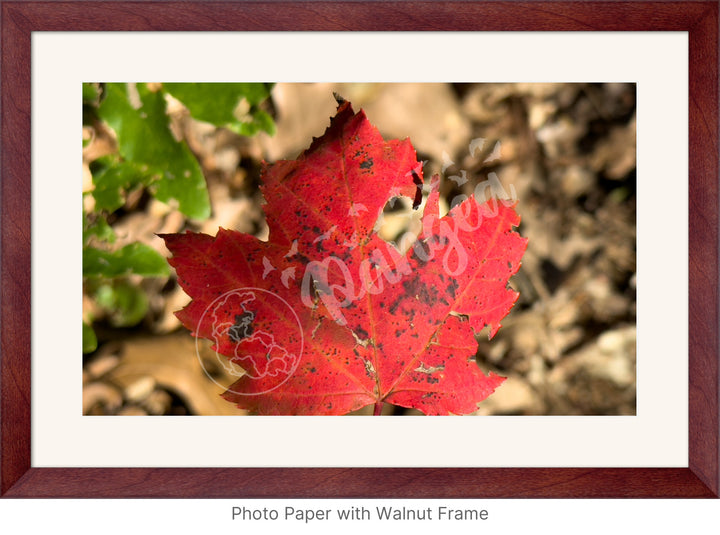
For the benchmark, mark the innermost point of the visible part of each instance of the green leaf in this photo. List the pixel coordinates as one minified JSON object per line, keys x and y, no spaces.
{"x":135,"y":258}
{"x":265,"y":122}
{"x":125,"y":303}
{"x":113,"y":179}
{"x":138,"y":117}
{"x":97,"y":227}
{"x":89,"y":339}
{"x":261,"y":121}
{"x":90,"y":93}
{"x":233,"y":106}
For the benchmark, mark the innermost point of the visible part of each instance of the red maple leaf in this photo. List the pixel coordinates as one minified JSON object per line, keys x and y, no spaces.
{"x":326,"y":317}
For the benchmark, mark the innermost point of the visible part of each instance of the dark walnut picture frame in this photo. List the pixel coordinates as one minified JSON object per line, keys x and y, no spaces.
{"x":19,"y":479}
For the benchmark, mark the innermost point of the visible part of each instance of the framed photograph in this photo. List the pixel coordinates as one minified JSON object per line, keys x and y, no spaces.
{"x":593,"y":126}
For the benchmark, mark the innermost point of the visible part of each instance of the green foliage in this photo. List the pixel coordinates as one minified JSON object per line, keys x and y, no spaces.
{"x":149,"y":156}
{"x":145,"y":140}
{"x":133,"y":259}
{"x":126,"y":304}
{"x":89,"y":339}
{"x":113,"y":178}
{"x":234,"y":106}
{"x":90,"y":94}
{"x":97,"y":228}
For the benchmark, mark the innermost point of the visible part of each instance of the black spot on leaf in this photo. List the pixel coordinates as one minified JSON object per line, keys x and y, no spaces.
{"x":243,"y":327}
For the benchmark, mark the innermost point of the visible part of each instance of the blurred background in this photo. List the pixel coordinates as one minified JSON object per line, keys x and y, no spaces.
{"x":566,"y":151}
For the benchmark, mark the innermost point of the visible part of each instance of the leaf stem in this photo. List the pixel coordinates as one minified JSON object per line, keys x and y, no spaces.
{"x":378,"y":408}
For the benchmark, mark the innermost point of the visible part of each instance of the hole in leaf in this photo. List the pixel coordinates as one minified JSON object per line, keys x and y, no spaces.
{"x":398,"y":224}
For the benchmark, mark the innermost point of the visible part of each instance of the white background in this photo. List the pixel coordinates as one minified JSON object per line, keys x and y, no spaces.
{"x":657,"y":436}
{"x":512,"y":517}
